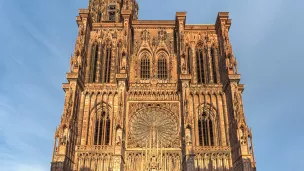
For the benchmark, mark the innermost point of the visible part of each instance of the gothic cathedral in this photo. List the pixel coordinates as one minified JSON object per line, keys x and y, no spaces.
{"x":151,"y":95}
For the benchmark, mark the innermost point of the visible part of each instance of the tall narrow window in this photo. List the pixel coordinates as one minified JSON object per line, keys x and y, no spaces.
{"x":94,"y":64}
{"x":107,"y":72}
{"x":102,"y":129}
{"x":145,"y":67}
{"x":162,"y":68}
{"x":112,"y":12}
{"x":206,"y":135}
{"x":200,"y":67}
{"x":189,"y":59}
{"x":101,"y":65}
{"x":99,"y":17}
{"x":213,"y":55}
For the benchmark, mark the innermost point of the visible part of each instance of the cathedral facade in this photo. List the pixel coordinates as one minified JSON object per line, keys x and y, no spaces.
{"x":151,"y":95}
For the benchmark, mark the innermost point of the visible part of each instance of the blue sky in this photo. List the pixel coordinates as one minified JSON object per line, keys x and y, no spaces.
{"x":38,"y":36}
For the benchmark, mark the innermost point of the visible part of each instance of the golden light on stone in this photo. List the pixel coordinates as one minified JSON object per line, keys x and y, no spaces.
{"x":151,"y":95}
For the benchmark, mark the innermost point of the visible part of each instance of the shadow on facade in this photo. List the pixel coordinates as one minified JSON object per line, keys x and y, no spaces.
{"x":245,"y":165}
{"x":85,"y":169}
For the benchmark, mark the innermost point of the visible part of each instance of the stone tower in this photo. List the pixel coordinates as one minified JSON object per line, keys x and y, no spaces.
{"x":151,"y":95}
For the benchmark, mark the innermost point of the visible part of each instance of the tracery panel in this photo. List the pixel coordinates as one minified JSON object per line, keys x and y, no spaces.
{"x":206,"y":127}
{"x":145,"y":67}
{"x":162,"y":67}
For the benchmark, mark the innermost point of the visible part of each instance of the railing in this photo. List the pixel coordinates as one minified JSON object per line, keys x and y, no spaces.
{"x":93,"y":148}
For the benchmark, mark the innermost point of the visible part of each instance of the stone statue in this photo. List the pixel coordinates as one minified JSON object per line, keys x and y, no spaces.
{"x":123,"y":62}
{"x":231,"y":64}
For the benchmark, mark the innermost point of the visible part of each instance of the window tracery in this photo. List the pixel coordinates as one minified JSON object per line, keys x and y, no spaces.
{"x":102,"y":125}
{"x":94,"y":59}
{"x":162,"y":67}
{"x":200,"y":66}
{"x":206,"y":129}
{"x":107,"y":65}
{"x":145,"y":67}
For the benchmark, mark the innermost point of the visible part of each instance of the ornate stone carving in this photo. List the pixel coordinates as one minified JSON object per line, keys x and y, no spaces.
{"x":153,"y":126}
{"x":116,"y":119}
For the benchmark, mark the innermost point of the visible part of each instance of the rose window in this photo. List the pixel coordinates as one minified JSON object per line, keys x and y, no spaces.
{"x":154,"y":127}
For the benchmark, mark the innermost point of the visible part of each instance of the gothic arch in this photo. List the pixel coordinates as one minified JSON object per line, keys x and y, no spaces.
{"x":101,"y":121}
{"x":201,"y":62}
{"x":162,"y":65}
{"x":207,"y":125}
{"x":145,"y":62}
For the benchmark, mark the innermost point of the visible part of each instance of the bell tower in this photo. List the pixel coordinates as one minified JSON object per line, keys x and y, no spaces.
{"x":156,"y":95}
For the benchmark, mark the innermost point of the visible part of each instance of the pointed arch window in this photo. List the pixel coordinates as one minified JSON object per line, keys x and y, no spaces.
{"x":102,"y":129}
{"x":94,"y":63}
{"x":205,"y":130}
{"x":162,"y":67}
{"x":107,"y":65}
{"x":200,"y":66}
{"x":145,"y":67}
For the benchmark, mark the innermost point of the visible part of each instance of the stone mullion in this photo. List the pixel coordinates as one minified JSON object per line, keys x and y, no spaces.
{"x":210,"y":67}
{"x":80,"y":119}
{"x":104,"y":129}
{"x":98,"y":63}
{"x":226,"y":119}
{"x":89,"y":56}
{"x":194,"y":59}
{"x":215,"y":122}
{"x":88,"y":120}
{"x":90,"y":131}
{"x":191,"y":112}
{"x":100,"y":136}
{"x":205,"y":65}
{"x":216,"y":61}
{"x":113,"y":130}
{"x":201,"y":66}
{"x":198,"y":112}
{"x":118,"y":59}
{"x":98,"y":117}
{"x":103,"y":69}
{"x":108,"y":72}
{"x":112,"y":63}
{"x":108,"y":54}
{"x":83,"y":134}
{"x":110,"y":134}
{"x":221,"y":120}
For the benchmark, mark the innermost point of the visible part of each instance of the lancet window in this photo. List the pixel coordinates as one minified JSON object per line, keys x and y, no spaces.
{"x":162,"y":67}
{"x":145,"y":67}
{"x":93,"y":65}
{"x":102,"y":129}
{"x":200,"y":66}
{"x":205,"y":130}
{"x":107,"y":66}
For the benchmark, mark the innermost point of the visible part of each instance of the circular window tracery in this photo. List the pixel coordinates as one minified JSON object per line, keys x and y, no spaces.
{"x":153,"y":126}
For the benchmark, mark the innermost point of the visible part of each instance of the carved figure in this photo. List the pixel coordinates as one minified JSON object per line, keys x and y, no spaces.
{"x":231,"y":63}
